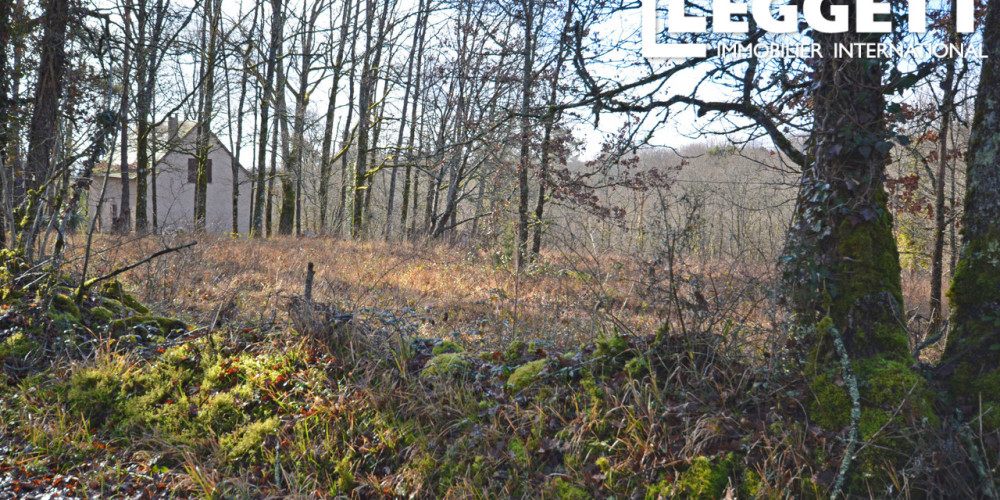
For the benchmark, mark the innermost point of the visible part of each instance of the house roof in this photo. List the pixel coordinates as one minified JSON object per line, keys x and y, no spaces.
{"x":159,"y":144}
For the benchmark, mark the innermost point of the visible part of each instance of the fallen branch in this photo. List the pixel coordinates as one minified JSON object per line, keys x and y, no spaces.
{"x":91,"y":282}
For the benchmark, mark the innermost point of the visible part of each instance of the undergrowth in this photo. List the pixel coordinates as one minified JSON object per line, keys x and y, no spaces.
{"x":105,"y":398}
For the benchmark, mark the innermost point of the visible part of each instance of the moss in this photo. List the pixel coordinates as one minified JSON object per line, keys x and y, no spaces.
{"x":750,"y":486}
{"x":345,"y":478}
{"x":704,"y":479}
{"x":221,"y":413}
{"x":590,"y":387}
{"x":63,"y":321}
{"x":637,"y":367}
{"x":249,"y":439}
{"x":869,"y":264}
{"x":94,"y":393}
{"x":515,"y":351}
{"x":17,"y":346}
{"x":972,"y":353}
{"x":101,"y":314}
{"x":445,"y":364}
{"x":446,"y":347}
{"x":113,"y":290}
{"x":659,"y":490}
{"x":611,"y":346}
{"x":115,"y":306}
{"x":62,"y":302}
{"x":611,"y":353}
{"x":517,"y":451}
{"x":525,"y":374}
{"x":564,"y":490}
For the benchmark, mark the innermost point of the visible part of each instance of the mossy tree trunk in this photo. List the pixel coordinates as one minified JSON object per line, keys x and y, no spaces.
{"x":842,"y":260}
{"x":842,"y":269}
{"x":971,"y":359}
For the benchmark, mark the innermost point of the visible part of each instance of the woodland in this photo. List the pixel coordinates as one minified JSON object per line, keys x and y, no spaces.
{"x":496,"y":252}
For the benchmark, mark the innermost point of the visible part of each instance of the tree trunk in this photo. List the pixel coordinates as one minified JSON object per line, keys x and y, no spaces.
{"x":937,"y":257}
{"x":521,"y":230}
{"x":42,"y":135}
{"x":124,"y":222}
{"x":325,"y":161}
{"x":276,"y":22}
{"x":365,"y":93}
{"x":213,"y":11}
{"x":842,"y":271}
{"x":971,"y":355}
{"x":414,"y":54}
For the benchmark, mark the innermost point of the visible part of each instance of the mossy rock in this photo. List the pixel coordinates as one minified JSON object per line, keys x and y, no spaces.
{"x":163,"y":324}
{"x":101,"y":314}
{"x":113,"y":290}
{"x":446,"y":346}
{"x":115,"y":306}
{"x":525,"y":374}
{"x":62,"y":302}
{"x":447,"y":364}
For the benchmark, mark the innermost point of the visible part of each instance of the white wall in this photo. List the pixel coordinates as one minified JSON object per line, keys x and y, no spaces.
{"x":175,"y":196}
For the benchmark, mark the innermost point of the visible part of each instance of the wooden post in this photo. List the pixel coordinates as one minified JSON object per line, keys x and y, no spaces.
{"x":309,"y":282}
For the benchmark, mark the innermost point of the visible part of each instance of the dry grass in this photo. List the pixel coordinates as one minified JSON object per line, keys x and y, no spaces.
{"x":459,"y":292}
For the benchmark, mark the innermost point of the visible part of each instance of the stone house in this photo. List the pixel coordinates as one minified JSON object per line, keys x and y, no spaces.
{"x":175,"y":171}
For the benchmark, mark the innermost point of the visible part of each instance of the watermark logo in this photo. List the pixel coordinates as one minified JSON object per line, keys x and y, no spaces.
{"x":784,"y":19}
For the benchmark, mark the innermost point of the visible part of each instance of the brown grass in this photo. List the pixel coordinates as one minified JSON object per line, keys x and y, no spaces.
{"x":458,"y":292}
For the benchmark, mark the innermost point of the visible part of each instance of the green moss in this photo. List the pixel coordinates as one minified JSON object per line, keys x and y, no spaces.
{"x":17,"y":346}
{"x":525,"y":374}
{"x":750,"y":486}
{"x":445,"y":364}
{"x":564,"y":490}
{"x":115,"y":306}
{"x":611,"y":346}
{"x":101,"y":315}
{"x":517,"y":451}
{"x":636,"y":367}
{"x":250,"y":438}
{"x":659,"y":490}
{"x":113,"y":290}
{"x":94,"y":393}
{"x":515,"y":351}
{"x":704,"y":479}
{"x":62,"y":302}
{"x":345,"y":478}
{"x":972,"y":352}
{"x":221,"y":413}
{"x":446,"y":347}
{"x":869,"y":265}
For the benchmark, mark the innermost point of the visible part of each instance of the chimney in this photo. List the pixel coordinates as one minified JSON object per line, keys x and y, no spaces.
{"x":171,"y":127}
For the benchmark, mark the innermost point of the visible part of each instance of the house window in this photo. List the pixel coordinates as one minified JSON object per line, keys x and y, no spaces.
{"x":193,"y":170}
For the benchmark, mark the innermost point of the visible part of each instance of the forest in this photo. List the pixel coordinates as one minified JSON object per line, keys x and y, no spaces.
{"x":499,"y":249}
